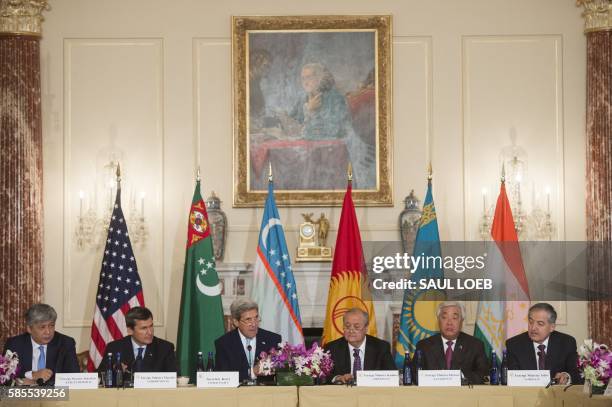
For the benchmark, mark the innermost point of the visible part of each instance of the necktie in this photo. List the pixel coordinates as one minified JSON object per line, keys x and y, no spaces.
{"x":449,"y":354}
{"x":249,"y":349}
{"x":541,"y":357}
{"x":356,"y":362}
{"x":138,"y":364}
{"x":42,"y":360}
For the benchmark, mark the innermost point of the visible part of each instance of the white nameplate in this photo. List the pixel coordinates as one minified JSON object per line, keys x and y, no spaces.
{"x":378,"y":378}
{"x":529,"y":378}
{"x":218,"y":379}
{"x":155,"y":380}
{"x":77,"y":380}
{"x":440,"y":378}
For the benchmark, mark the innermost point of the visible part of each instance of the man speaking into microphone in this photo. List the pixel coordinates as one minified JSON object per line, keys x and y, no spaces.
{"x":238,"y":350}
{"x":141,"y":351}
{"x":42,"y":351}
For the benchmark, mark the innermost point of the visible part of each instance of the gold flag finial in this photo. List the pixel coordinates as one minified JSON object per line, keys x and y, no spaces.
{"x":198,"y":174}
{"x":349,"y":172}
{"x":270,"y":172}
{"x":503,"y":176}
{"x":429,"y":172}
{"x":118,"y":173}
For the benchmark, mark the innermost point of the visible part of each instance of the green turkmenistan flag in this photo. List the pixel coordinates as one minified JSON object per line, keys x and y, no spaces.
{"x":201,"y":318}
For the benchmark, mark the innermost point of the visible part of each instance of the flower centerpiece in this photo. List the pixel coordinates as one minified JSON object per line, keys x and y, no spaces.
{"x":8,"y":367}
{"x":295,"y":365}
{"x":595,"y":364}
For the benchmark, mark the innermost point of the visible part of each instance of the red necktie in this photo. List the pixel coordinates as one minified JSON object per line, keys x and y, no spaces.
{"x":541,"y":357}
{"x":449,"y":354}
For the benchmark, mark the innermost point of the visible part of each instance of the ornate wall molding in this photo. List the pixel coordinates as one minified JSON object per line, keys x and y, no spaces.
{"x":22,"y":17}
{"x":597,"y":14}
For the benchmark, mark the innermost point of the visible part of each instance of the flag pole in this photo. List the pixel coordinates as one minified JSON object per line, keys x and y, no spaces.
{"x":198,"y":174}
{"x":503,"y":175}
{"x":349,"y":172}
{"x":429,"y":173}
{"x":270,"y":178}
{"x":118,"y":173}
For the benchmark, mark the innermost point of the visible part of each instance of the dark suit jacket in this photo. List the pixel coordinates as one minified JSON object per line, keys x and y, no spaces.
{"x":377,"y":356}
{"x":159,"y":355}
{"x":61,"y":354}
{"x":230,"y":355}
{"x":561,"y":354}
{"x":468,"y":356}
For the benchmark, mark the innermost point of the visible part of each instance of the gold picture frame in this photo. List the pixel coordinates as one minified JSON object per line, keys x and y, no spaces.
{"x":310,"y":95}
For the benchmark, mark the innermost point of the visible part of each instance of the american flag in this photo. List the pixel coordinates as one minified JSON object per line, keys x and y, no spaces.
{"x":274,"y":286}
{"x":119,"y":287}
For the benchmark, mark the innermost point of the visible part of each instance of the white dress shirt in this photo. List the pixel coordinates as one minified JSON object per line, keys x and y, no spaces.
{"x":536,"y":350}
{"x":35,"y":356}
{"x":249,"y":355}
{"x":361,"y":348}
{"x":135,"y":347}
{"x":444,"y":346}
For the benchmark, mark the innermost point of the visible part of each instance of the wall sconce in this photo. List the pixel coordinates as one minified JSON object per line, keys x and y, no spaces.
{"x":91,"y":229}
{"x":136,"y":223}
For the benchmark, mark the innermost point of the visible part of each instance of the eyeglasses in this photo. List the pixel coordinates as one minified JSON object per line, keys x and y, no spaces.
{"x":354,"y":328}
{"x":250,"y":321}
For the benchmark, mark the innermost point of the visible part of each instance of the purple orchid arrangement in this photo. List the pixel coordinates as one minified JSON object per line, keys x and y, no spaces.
{"x":595,"y":362}
{"x":315,"y":362}
{"x":8,"y":367}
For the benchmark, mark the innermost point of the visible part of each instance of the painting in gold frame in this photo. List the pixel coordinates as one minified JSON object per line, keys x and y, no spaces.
{"x":310,"y":95}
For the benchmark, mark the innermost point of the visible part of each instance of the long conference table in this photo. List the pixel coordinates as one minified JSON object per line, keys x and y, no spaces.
{"x":322,"y":396}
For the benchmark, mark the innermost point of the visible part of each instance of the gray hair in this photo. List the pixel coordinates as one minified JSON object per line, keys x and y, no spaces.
{"x":447,"y":304}
{"x":544,"y":306}
{"x":242,"y":305}
{"x":40,"y":313}
{"x":359,"y":311}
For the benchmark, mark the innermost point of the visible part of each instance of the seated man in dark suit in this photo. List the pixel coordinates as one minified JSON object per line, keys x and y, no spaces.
{"x":239,"y":349}
{"x":141,"y":351}
{"x":541,"y":347}
{"x":42,"y":351}
{"x":453,"y":349}
{"x":356,"y":350}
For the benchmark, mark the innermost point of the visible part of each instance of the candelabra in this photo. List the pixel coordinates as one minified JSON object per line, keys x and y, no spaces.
{"x":536,"y":224}
{"x":91,"y":230}
{"x":137,"y":225}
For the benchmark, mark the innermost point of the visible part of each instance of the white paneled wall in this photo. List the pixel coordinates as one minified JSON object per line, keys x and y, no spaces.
{"x":149,"y":83}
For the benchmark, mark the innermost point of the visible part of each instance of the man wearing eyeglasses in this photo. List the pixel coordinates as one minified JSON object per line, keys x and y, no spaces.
{"x":356,"y":350}
{"x":239,"y":349}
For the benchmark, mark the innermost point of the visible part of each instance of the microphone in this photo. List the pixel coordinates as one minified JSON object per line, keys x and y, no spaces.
{"x":40,"y":381}
{"x":551,"y":382}
{"x":250,"y":348}
{"x":466,"y":380}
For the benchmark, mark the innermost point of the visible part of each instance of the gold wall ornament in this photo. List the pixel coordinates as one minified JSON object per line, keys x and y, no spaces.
{"x":312,"y":239}
{"x":597,"y":14}
{"x":22,"y":17}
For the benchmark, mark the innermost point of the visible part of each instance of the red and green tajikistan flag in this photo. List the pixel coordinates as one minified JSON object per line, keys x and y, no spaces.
{"x":201,"y":318}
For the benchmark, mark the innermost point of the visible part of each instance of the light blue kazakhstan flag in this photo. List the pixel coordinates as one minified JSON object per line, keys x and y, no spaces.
{"x":418,"y":317}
